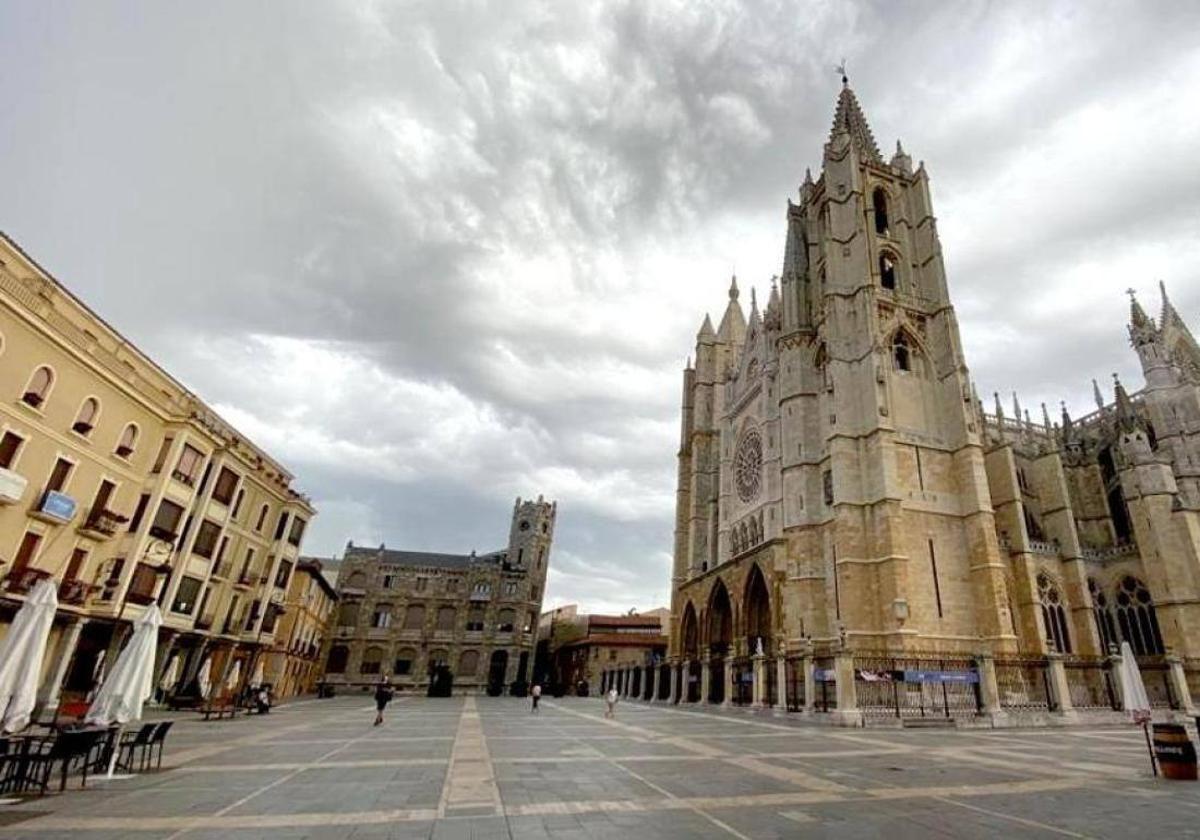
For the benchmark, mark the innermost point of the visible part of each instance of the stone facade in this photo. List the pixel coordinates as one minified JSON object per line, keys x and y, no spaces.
{"x":607,"y":644}
{"x":403,"y":613}
{"x":127,"y":490}
{"x":841,"y":490}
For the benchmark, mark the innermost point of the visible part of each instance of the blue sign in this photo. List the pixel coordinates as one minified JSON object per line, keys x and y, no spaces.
{"x":59,"y":505}
{"x":824,"y":675}
{"x":963,"y":677}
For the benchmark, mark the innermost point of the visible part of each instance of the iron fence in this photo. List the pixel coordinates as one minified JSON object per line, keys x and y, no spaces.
{"x":693,"y":681}
{"x":824,"y":684}
{"x":1023,"y":683}
{"x":795,"y":684}
{"x":916,"y":687}
{"x":1091,"y":683}
{"x":771,"y":696}
{"x":716,"y":680}
{"x":665,"y":675}
{"x":743,"y":682}
{"x":1156,"y":675}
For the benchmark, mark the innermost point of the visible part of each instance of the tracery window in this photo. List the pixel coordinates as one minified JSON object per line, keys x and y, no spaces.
{"x":879,"y":202}
{"x":747,"y":466}
{"x":887,"y":270}
{"x":901,"y":352}
{"x":1101,"y":610}
{"x":1136,"y":617}
{"x":1054,"y":617}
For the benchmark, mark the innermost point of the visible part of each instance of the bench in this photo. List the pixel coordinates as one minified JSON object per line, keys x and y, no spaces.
{"x":219,"y":711}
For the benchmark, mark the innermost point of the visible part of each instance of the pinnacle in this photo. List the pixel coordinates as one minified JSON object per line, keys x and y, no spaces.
{"x":733,"y":288}
{"x":849,"y":118}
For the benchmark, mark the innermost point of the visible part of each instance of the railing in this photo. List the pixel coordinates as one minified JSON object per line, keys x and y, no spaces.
{"x":1114,"y":552}
{"x":743,"y":681}
{"x":1023,"y":683}
{"x":103,"y":522}
{"x":1091,"y":683}
{"x":1156,"y":676}
{"x":23,"y":580}
{"x":75,"y":591}
{"x":183,"y":478}
{"x":795,"y":683}
{"x":916,"y":686}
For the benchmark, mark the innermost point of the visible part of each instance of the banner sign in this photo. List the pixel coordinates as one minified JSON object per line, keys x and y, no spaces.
{"x":824,"y":675}
{"x":966,"y":677}
{"x":59,"y":505}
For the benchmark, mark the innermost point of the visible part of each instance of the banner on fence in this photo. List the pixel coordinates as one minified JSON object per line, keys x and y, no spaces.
{"x":824,"y":675}
{"x":921,"y":676}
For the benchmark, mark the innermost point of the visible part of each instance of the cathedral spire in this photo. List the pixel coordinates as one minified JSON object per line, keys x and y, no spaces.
{"x":848,"y":117}
{"x":1097,"y":396}
{"x":733,"y":323}
{"x":707,"y":334}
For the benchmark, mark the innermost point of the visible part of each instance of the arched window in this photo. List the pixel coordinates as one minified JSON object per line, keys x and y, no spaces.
{"x":39,"y":387}
{"x":85,"y":420}
{"x":887,"y":270}
{"x":1136,"y":617}
{"x":1054,"y":617}
{"x":445,"y":618}
{"x":879,"y":200}
{"x":468,"y":663}
{"x":372,"y":661}
{"x":414,"y":617}
{"x":1101,"y":612}
{"x":128,"y":441}
{"x":902,"y":352}
{"x":405,"y":657}
{"x":505,"y":620}
{"x":381,"y":617}
{"x":336,"y":664}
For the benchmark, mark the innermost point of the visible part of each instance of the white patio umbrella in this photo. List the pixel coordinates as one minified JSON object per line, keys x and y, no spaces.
{"x":171,"y":675}
{"x":204,"y":678}
{"x":231,"y":681}
{"x":1134,"y":697}
{"x":21,"y":655}
{"x":259,"y":674}
{"x":130,"y":681}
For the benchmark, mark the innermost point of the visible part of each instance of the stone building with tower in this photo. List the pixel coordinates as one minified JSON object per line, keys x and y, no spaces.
{"x":854,"y":532}
{"x":408,"y":615}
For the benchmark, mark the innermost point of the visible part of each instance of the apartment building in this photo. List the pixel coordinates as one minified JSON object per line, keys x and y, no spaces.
{"x":293,"y":664}
{"x":121,"y":485}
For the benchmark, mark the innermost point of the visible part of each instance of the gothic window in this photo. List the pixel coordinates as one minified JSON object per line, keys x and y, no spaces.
{"x":1136,"y":617}
{"x":879,"y":200}
{"x":85,"y":420}
{"x":827,"y":482}
{"x":1033,"y":528}
{"x":1105,"y":627}
{"x":1054,"y":617}
{"x":39,"y":387}
{"x":1120,"y":515}
{"x":887,"y":270}
{"x":901,"y":352}
{"x":747,"y":465}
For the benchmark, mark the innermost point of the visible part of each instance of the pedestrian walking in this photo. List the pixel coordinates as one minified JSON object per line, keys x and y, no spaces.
{"x":536,"y":694}
{"x":383,"y":696}
{"x":610,"y":700}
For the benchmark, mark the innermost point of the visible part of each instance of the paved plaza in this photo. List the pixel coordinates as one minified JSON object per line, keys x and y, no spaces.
{"x":487,"y":768}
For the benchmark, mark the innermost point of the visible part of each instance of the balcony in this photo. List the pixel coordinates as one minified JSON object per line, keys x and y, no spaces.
{"x":205,"y":622}
{"x":183,"y":478}
{"x":20,"y":581}
{"x":102,"y":524}
{"x":12,"y":487}
{"x":165,"y":534}
{"x":75,"y":592}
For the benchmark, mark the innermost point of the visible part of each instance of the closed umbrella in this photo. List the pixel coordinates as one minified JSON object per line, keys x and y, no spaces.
{"x":232,"y":680}
{"x":171,"y":675}
{"x":130,"y":681}
{"x":204,"y":678}
{"x":21,"y":655}
{"x":259,"y":674}
{"x":1134,"y":697}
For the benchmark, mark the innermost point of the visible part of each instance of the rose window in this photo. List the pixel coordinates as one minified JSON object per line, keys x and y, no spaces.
{"x":747,"y":466}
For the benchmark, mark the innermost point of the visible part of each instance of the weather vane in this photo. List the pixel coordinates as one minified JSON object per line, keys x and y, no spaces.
{"x":841,"y":68}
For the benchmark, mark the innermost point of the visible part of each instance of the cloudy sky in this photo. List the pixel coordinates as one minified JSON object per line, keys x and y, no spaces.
{"x":435,"y":255}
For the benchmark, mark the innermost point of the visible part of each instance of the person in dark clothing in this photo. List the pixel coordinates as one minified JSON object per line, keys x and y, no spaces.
{"x":383,"y":696}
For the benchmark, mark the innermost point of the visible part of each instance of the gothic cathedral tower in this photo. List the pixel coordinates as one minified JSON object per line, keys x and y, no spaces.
{"x":831,"y":472}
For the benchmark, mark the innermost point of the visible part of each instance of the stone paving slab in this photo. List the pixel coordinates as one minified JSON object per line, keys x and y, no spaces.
{"x":488,"y":768}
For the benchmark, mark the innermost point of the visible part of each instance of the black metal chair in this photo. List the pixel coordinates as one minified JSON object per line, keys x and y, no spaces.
{"x":134,"y":741}
{"x":10,"y":763}
{"x":158,"y":739}
{"x":65,"y":748}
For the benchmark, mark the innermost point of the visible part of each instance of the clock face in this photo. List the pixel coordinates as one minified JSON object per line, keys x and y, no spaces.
{"x":747,"y":466}
{"x":524,"y":525}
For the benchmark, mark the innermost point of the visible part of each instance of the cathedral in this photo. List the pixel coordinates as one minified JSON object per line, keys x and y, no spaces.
{"x":844,"y":494}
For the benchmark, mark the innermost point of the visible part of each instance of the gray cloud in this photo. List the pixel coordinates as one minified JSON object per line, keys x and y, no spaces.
{"x":437,"y":254}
